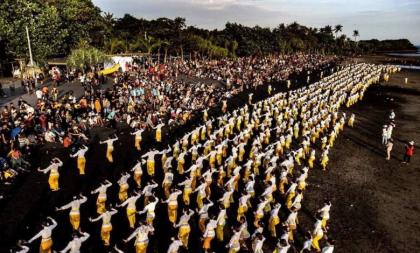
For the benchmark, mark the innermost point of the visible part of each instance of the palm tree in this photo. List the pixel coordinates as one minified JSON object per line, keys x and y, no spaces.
{"x":113,"y":45}
{"x":356,"y":34}
{"x":327,"y":29}
{"x":337,"y":29}
{"x":147,"y":44}
{"x":109,"y":18}
{"x":166,"y":44}
{"x":84,"y":58}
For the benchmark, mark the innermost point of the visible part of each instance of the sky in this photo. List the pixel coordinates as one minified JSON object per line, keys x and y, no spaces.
{"x":380,"y":19}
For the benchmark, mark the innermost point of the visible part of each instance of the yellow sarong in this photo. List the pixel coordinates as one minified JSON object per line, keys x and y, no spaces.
{"x":81,"y":163}
{"x":150,"y":167}
{"x":131,"y":216}
{"x":75,"y":220}
{"x":46,"y":246}
{"x":53,"y":181}
{"x":106,"y":234}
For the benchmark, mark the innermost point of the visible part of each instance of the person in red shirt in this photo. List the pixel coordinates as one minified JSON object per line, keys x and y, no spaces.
{"x":409,"y":151}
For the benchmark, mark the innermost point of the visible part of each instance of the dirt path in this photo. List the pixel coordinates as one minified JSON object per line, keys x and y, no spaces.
{"x":375,"y":202}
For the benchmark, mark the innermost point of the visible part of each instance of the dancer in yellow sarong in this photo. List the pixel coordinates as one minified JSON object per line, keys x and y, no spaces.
{"x":221,"y":222}
{"x":137,"y":138}
{"x":81,"y":160}
{"x":187,"y":190}
{"x":184,"y":227}
{"x":109,"y":148}
{"x":150,"y":209}
{"x":102,"y":196}
{"x":106,"y":225}
{"x":74,"y":245}
{"x":45,"y":234}
{"x":142,"y":237}
{"x":54,"y":174}
{"x":123,"y":184}
{"x":74,"y":207}
{"x":158,"y":133}
{"x":131,"y":208}
{"x":317,"y":234}
{"x":138,"y":173}
{"x":172,"y":202}
{"x":150,"y":161}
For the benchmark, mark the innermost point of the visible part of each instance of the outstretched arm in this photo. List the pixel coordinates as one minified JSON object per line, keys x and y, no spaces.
{"x":35,"y":237}
{"x":67,"y":206}
{"x":96,"y":219}
{"x":131,"y":236}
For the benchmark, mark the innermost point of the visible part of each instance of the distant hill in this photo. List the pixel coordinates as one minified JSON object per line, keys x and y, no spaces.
{"x":375,"y":45}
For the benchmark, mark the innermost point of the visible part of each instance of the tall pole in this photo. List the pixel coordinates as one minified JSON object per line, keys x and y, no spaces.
{"x":30,"y":54}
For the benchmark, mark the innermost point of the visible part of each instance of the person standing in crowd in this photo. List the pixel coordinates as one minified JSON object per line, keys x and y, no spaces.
{"x":409,"y":152}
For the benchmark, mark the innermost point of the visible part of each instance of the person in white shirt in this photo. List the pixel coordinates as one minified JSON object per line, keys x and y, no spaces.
{"x":54,"y":174}
{"x":184,"y":226}
{"x":106,"y":225}
{"x":75,"y":244}
{"x":282,"y":246}
{"x":109,"y":147}
{"x":38,"y":94}
{"x":131,"y":208}
{"x":45,"y":234}
{"x":138,"y":173}
{"x":150,"y":209}
{"x":102,"y":196}
{"x":325,"y":213}
{"x":234,"y":243}
{"x":209,"y":233}
{"x":137,"y":138}
{"x":174,"y":246}
{"x":259,"y":242}
{"x":329,"y":248}
{"x":81,"y":160}
{"x":307,"y":244}
{"x":148,"y":191}
{"x":142,"y":237}
{"x":74,"y":207}
{"x":172,"y":202}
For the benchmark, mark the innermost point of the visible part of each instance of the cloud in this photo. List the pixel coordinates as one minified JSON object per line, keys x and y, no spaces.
{"x":207,"y":14}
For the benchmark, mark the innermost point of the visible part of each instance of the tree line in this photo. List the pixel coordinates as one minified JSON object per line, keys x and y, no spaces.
{"x":59,"y":26}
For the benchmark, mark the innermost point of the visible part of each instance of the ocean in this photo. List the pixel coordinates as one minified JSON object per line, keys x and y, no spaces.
{"x":416,"y":54}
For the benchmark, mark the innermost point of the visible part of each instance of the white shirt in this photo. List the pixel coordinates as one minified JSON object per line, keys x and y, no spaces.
{"x":173,"y":248}
{"x":328,"y":249}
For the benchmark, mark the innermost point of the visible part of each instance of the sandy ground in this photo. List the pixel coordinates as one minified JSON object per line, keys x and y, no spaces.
{"x":375,"y":202}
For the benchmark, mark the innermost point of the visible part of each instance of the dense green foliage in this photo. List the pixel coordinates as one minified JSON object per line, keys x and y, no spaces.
{"x":386,"y":45}
{"x":85,"y":57}
{"x":57,"y":26}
